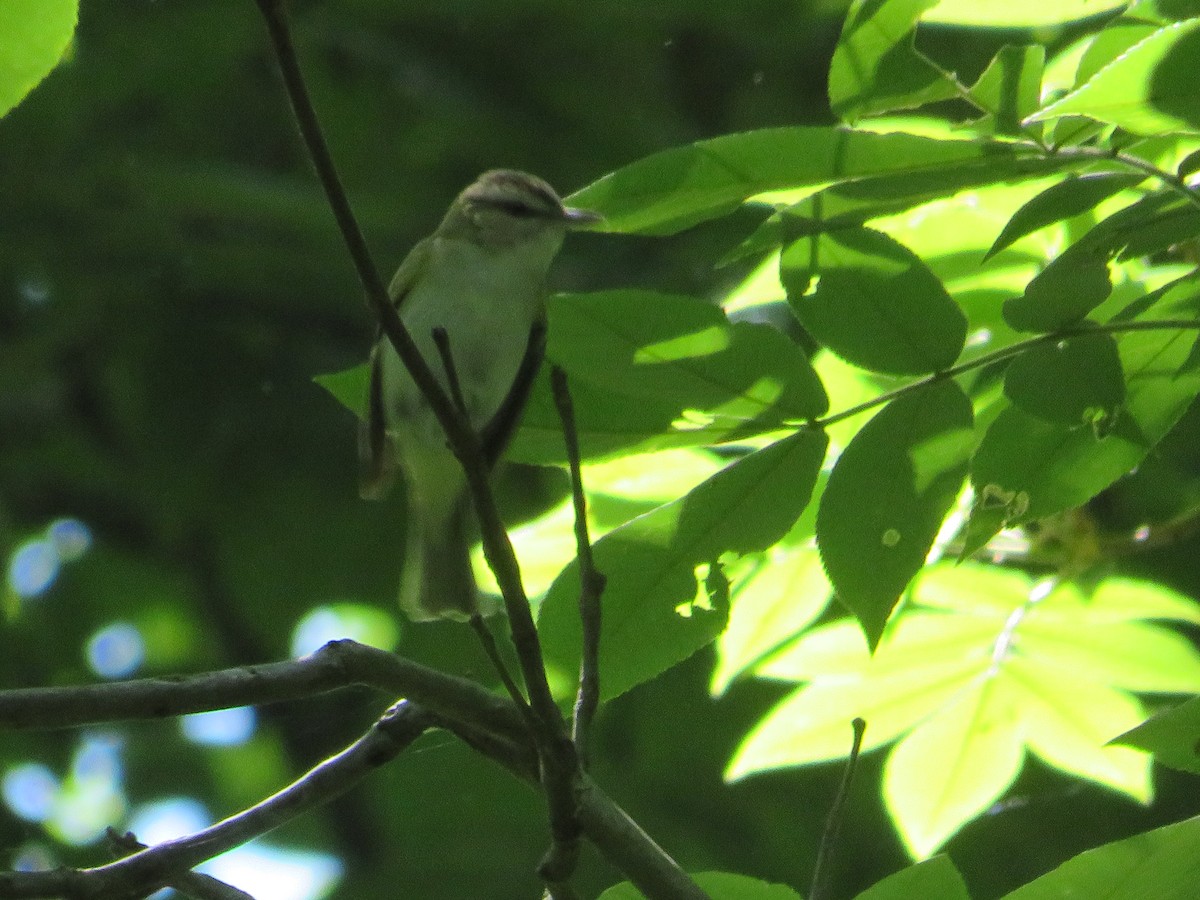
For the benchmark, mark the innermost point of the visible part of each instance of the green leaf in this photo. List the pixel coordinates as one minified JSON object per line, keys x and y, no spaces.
{"x":651,"y":371}
{"x":935,"y":878}
{"x":719,"y":886}
{"x":1073,"y":196}
{"x":1071,"y":286}
{"x":876,"y":304}
{"x":1017,"y":13}
{"x":651,"y":564}
{"x":875,"y":68}
{"x":1077,"y":381}
{"x":954,"y":765}
{"x":1009,"y":89}
{"x":983,"y":664}
{"x":1163,"y":864}
{"x":683,"y":350}
{"x":887,"y":496}
{"x":34,"y":35}
{"x":675,"y":189}
{"x":1149,"y":89}
{"x":349,"y":387}
{"x":1173,"y":736}
{"x":771,"y":605}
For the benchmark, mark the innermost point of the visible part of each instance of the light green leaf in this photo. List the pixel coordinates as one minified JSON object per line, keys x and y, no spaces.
{"x":875,"y":68}
{"x":651,"y":564}
{"x":887,"y":497}
{"x":1077,"y":381}
{"x":1067,"y":717}
{"x":1149,"y":89}
{"x":773,"y":603}
{"x":917,"y":669}
{"x":876,"y":305}
{"x":349,"y":387}
{"x":931,"y":879}
{"x":1163,"y":864}
{"x":954,"y":765}
{"x":675,"y":189}
{"x":983,"y":664}
{"x":1173,"y":736}
{"x":34,"y":35}
{"x":1017,"y":13}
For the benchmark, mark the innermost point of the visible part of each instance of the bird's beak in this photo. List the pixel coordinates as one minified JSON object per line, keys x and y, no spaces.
{"x":577,"y":218}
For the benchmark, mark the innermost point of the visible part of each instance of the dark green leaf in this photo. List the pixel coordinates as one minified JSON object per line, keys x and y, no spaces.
{"x":931,"y":879}
{"x":876,"y":304}
{"x":651,"y":564}
{"x":1009,"y":89}
{"x":1071,"y":286}
{"x":655,"y":370}
{"x":1027,"y":468}
{"x":1173,"y":736}
{"x":887,"y":497}
{"x":1073,"y":196}
{"x":1074,"y":382}
{"x":1163,"y":864}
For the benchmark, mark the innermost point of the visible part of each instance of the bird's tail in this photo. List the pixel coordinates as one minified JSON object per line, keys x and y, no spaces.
{"x":437,"y":581}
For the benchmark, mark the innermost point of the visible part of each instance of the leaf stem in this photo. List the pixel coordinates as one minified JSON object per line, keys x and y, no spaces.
{"x":1004,"y":353}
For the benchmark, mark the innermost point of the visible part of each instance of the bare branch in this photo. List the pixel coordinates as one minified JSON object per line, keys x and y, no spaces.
{"x":591,"y":581}
{"x":155,"y":867}
{"x":338,"y":664}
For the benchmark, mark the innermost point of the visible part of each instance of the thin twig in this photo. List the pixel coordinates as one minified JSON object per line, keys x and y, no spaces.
{"x":442,"y":341}
{"x":493,"y":654}
{"x":150,"y":869}
{"x":1004,"y":353}
{"x":837,"y":814}
{"x":591,"y":581}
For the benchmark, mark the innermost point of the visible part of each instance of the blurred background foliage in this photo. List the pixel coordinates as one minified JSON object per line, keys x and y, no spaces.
{"x":176,"y":494}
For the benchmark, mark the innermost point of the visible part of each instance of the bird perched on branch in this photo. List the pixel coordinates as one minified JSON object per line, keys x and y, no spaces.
{"x":480,"y":279}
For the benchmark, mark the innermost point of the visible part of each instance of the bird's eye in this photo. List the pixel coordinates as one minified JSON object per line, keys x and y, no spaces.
{"x":517,"y":209}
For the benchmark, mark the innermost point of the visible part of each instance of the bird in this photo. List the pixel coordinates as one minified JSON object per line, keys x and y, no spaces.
{"x":481,"y":279}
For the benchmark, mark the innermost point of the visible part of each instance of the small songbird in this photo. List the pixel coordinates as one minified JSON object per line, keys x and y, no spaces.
{"x":481,"y":278}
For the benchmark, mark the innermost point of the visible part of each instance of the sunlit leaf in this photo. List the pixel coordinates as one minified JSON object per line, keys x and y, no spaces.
{"x":1017,"y":13}
{"x":651,"y":564}
{"x":875,"y":67}
{"x":1009,"y":89}
{"x":34,"y":34}
{"x":954,"y":765}
{"x":1148,"y":89}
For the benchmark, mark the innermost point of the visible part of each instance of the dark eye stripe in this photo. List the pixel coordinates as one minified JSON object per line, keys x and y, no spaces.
{"x":518,"y":209}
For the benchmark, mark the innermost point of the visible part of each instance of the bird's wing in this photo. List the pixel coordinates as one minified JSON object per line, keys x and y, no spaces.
{"x":498,"y":432}
{"x":376,"y":460}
